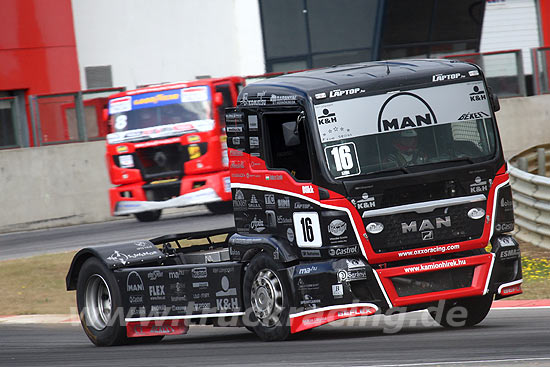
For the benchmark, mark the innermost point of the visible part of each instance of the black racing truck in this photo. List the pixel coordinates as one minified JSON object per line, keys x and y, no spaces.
{"x":357,"y":189}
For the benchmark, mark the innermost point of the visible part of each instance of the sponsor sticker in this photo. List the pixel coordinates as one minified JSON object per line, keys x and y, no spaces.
{"x":134,"y":283}
{"x":195,"y":94}
{"x":269,"y":199}
{"x":119,"y":105}
{"x":252,"y":123}
{"x":477,"y":95}
{"x":199,"y":273}
{"x":155,"y":274}
{"x":290,"y":235}
{"x":337,"y":227}
{"x":226,"y":297}
{"x":338,"y":290}
{"x":311,"y":253}
{"x":283,"y":203}
{"x":257,"y":225}
{"x":445,"y":77}
{"x":253,"y":203}
{"x":344,"y":251}
{"x":478,"y":186}
{"x":239,"y":200}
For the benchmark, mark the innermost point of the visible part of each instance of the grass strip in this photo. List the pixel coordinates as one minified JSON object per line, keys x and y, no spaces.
{"x":36,"y":285}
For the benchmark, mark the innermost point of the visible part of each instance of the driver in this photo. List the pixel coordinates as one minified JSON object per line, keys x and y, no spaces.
{"x":406,"y":152}
{"x":147,"y":117}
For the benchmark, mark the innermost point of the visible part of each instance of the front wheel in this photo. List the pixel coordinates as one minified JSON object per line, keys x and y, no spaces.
{"x":266,"y":293}
{"x":150,"y":216}
{"x":463,"y":312}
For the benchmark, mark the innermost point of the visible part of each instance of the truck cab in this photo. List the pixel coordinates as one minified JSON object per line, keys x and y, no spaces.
{"x":397,"y":165}
{"x":167,"y":147}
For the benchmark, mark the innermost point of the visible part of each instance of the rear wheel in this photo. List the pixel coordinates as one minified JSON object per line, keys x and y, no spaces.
{"x":100,"y":306}
{"x":266,"y":299}
{"x":99,"y":301}
{"x":150,"y":216}
{"x":463,"y":312}
{"x":220,"y":207}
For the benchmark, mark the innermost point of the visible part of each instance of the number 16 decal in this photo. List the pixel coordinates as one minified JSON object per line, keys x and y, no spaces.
{"x":307,"y":229}
{"x":342,"y":160}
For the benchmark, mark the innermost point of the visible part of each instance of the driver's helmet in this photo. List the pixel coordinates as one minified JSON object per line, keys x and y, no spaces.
{"x":406,"y":141}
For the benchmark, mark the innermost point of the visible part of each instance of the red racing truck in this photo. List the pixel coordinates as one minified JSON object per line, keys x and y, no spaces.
{"x":357,"y":189}
{"x":168,"y":147}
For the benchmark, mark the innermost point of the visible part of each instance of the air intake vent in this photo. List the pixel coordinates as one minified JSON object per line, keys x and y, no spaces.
{"x":98,"y":77}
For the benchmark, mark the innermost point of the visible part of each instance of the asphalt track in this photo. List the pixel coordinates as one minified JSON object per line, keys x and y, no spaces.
{"x":519,"y":337}
{"x":24,"y":244}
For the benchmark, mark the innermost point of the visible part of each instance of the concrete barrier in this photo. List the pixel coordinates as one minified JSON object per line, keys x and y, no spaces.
{"x":523,"y":122}
{"x":68,"y":184}
{"x":53,"y":185}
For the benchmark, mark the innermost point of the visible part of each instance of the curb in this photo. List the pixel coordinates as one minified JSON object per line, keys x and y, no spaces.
{"x":521,"y":303}
{"x":40,"y":319}
{"x":74,"y":319}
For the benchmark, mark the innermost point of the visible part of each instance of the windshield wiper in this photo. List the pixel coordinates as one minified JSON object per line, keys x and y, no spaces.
{"x":460,"y":159}
{"x":393,"y":169}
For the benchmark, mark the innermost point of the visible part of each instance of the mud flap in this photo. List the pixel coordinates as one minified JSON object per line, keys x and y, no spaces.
{"x":506,"y":278}
{"x":332,"y":290}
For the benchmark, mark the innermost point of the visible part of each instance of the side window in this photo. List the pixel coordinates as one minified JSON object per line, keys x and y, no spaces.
{"x":286,"y":144}
{"x":225,"y":90}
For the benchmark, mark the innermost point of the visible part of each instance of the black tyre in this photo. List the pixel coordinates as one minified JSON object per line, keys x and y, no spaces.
{"x":463,"y":312}
{"x":100,"y":307}
{"x":150,"y":216}
{"x":220,"y":207}
{"x":265,"y":293}
{"x":99,"y":304}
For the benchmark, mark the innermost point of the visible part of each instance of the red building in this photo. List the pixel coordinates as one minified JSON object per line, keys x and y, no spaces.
{"x":37,"y":55}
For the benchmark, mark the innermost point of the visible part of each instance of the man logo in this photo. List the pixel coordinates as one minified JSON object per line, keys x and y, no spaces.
{"x":404,"y":111}
{"x":134,"y":283}
{"x":160,"y":159}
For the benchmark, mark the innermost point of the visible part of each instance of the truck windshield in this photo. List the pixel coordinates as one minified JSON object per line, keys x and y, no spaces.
{"x":407,"y":130}
{"x":167,"y":107}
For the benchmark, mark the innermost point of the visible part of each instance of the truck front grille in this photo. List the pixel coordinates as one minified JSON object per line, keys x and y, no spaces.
{"x":434,"y":281}
{"x":161,"y":161}
{"x":412,"y":230}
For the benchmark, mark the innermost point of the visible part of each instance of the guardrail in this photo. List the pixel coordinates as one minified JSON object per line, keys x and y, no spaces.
{"x":531,"y":193}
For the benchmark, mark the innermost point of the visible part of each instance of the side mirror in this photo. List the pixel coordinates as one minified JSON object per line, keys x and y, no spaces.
{"x":107,"y":121}
{"x":494,"y":100}
{"x":290,"y":133}
{"x":218,"y":98}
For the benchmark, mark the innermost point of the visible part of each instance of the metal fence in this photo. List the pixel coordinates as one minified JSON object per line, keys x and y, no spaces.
{"x":69,"y":117}
{"x":541,"y":69}
{"x":531,"y":192}
{"x":503,"y":70}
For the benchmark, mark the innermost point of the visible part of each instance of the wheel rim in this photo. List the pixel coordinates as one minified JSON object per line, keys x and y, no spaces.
{"x":99,"y":304}
{"x":267,"y":297}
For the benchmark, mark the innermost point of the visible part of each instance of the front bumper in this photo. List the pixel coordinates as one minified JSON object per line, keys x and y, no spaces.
{"x":130,"y":199}
{"x":193,"y":198}
{"x":334,"y":289}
